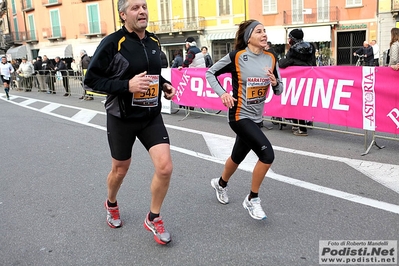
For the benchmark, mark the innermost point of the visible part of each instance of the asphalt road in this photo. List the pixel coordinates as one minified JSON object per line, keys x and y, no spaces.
{"x":55,"y":159}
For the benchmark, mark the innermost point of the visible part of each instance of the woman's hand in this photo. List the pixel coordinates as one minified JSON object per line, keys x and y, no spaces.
{"x":271,"y":76}
{"x":228,"y":100}
{"x":395,"y":67}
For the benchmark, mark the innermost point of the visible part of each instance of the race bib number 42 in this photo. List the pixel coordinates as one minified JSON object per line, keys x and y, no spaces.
{"x":150,"y":97}
{"x":256,"y":90}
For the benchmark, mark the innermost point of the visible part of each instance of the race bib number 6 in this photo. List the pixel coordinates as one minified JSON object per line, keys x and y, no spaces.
{"x":256,"y":90}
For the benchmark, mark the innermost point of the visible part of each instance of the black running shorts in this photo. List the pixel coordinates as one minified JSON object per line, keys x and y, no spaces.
{"x":122,"y":133}
{"x":5,"y":80}
{"x":250,"y":137}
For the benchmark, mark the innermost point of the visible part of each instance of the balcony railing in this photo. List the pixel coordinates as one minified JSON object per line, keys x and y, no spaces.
{"x":54,"y":33}
{"x":311,"y":15}
{"x":18,"y":37}
{"x":177,"y":25}
{"x":31,"y":36}
{"x":93,"y":29}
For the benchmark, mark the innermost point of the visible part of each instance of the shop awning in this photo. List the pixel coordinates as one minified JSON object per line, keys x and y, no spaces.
{"x":276,"y":35}
{"x":63,"y":51}
{"x":17,"y":52}
{"x":221,"y":36}
{"x":89,"y":47}
{"x":317,"y":34}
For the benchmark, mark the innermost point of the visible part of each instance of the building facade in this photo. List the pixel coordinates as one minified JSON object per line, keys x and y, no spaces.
{"x":63,"y":27}
{"x":55,"y":27}
{"x":336,"y":27}
{"x":212,"y":23}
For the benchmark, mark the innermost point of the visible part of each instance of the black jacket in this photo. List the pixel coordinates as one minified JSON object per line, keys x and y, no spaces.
{"x":366,"y":51}
{"x":118,"y":58}
{"x":60,"y":66}
{"x":37,"y":65}
{"x":84,"y":61}
{"x":300,"y":54}
{"x":47,"y":67}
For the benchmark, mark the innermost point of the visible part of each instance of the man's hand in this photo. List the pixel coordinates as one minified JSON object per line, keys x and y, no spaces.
{"x":169,"y":91}
{"x":139,"y":83}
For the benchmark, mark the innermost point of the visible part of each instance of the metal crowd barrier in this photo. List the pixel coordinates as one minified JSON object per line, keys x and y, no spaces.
{"x":51,"y":81}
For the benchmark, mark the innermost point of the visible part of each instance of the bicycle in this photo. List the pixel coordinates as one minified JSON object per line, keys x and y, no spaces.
{"x":360,"y":60}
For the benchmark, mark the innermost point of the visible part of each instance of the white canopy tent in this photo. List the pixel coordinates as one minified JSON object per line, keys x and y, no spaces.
{"x":63,"y":51}
{"x":17,"y":52}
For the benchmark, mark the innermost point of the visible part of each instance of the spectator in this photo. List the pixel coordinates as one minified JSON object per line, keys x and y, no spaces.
{"x":270,"y":48}
{"x":319,"y":58}
{"x":249,"y":61}
{"x":84,"y":64}
{"x":126,"y":70}
{"x":25,"y":71}
{"x":62,"y":68}
{"x":40,"y":74}
{"x":376,"y":52}
{"x":194,"y":57}
{"x":178,"y":60}
{"x":164,"y":60}
{"x":394,"y":49}
{"x":300,"y":54}
{"x":74,"y":67}
{"x":6,"y":69}
{"x":207,"y":57}
{"x":47,"y":68}
{"x":368,"y":53}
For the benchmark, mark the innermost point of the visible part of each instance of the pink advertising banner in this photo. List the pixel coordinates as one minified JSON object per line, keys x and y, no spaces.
{"x":357,"y":97}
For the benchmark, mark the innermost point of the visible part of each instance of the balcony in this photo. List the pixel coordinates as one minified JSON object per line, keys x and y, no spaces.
{"x":93,"y":29}
{"x":54,"y":33}
{"x":31,"y":37}
{"x":27,"y":5}
{"x":51,"y":3}
{"x":18,"y":37}
{"x":177,"y":25}
{"x":311,"y":16}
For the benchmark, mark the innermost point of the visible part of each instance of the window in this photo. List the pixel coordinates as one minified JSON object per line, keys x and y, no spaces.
{"x":28,"y":4}
{"x":13,"y":7}
{"x":164,"y":10}
{"x":15,"y":20}
{"x":221,"y":48}
{"x":269,"y":6}
{"x":350,"y":3}
{"x":93,"y":19}
{"x":55,"y":23}
{"x":297,"y":11}
{"x":323,"y":10}
{"x":32,"y":28}
{"x":190,"y":11}
{"x":224,"y":7}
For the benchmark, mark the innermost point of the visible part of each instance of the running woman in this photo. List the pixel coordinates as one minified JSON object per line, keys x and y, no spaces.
{"x":254,"y":71}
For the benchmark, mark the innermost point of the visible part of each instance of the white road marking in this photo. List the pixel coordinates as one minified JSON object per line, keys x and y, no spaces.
{"x":50,"y":107}
{"x":84,"y":115}
{"x":385,"y":174}
{"x":303,"y":184}
{"x":220,"y":148}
